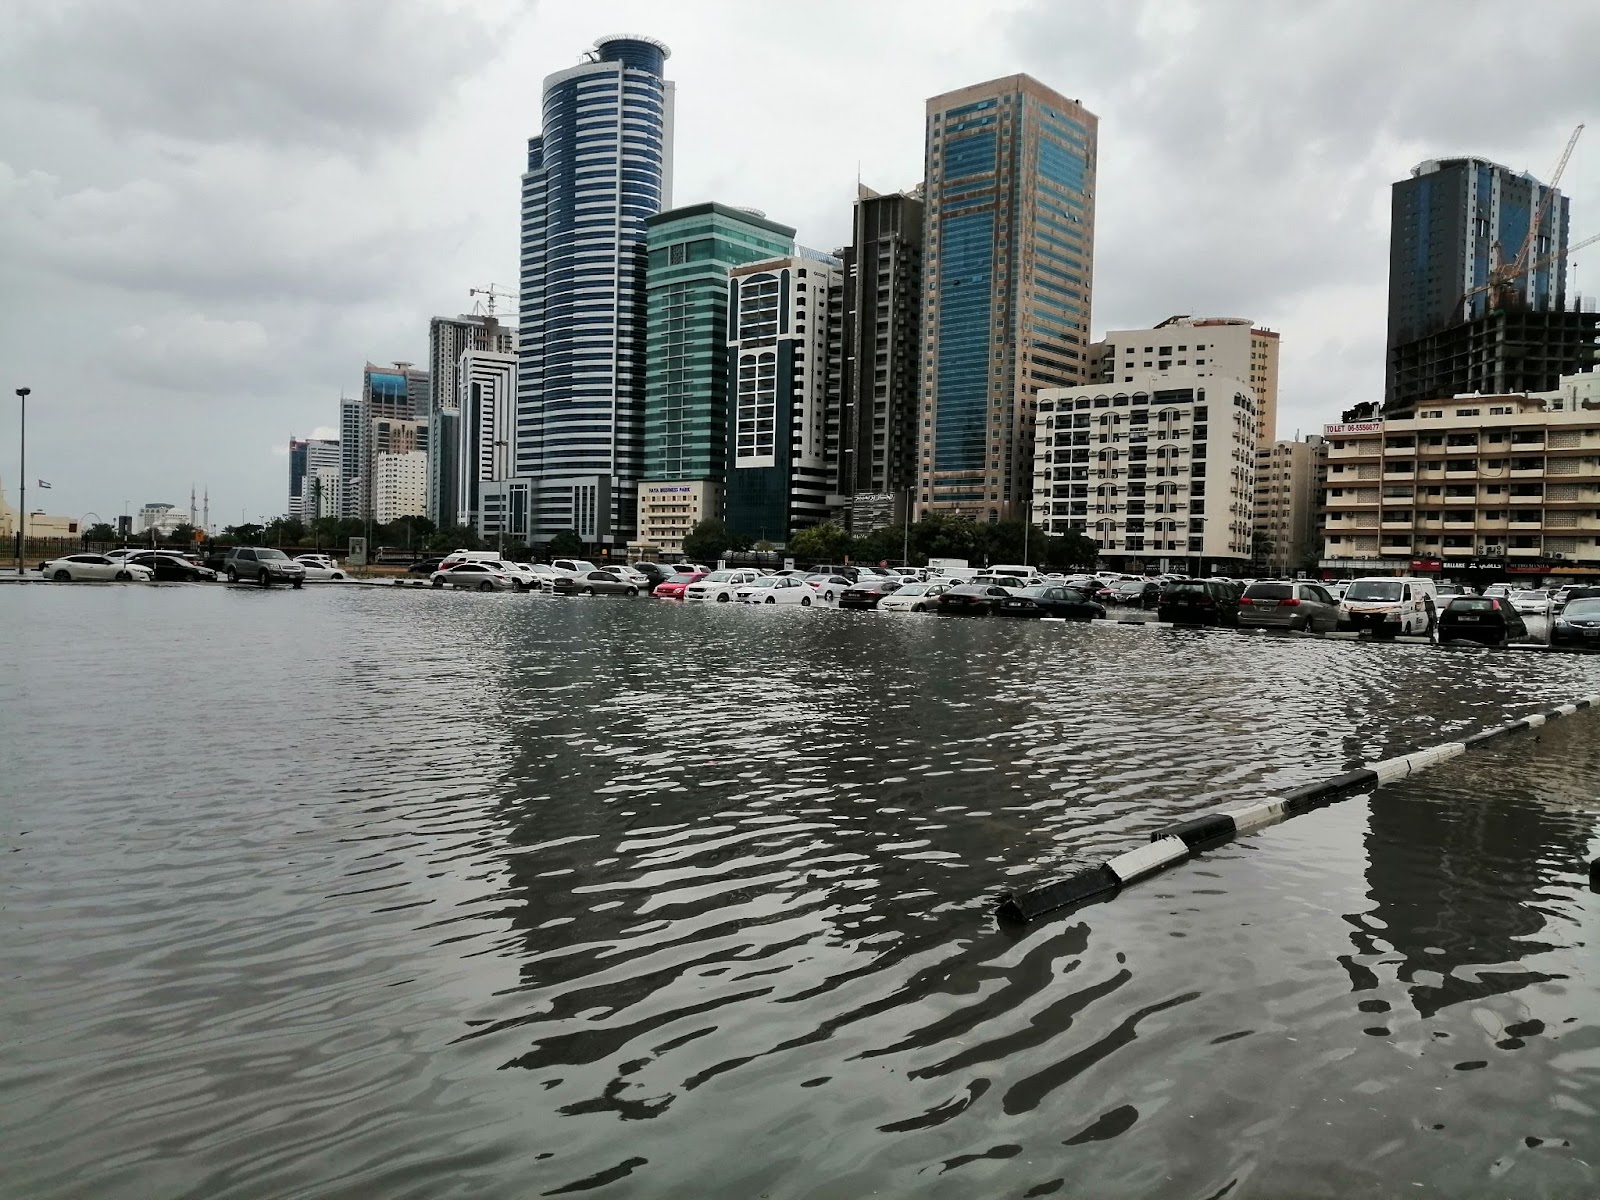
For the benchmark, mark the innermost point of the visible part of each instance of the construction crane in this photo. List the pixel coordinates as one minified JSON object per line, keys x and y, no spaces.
{"x":493,"y":292}
{"x":1503,"y":275}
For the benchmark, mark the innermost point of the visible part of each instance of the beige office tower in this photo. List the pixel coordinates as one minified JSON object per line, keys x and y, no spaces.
{"x":1232,"y":346}
{"x":1008,"y":264}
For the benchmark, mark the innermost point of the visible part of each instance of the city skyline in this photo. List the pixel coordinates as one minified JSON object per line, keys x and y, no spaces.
{"x":234,"y":310}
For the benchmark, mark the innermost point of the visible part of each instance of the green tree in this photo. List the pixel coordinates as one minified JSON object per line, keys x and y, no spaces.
{"x":828,"y":542}
{"x":567,"y":543}
{"x":940,"y":536}
{"x":100,"y":533}
{"x":248,"y":534}
{"x":455,"y":537}
{"x":710,"y":539}
{"x":1070,"y":549}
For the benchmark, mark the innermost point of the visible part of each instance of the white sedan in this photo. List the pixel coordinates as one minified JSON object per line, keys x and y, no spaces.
{"x":1532,"y":602}
{"x":914,"y":597}
{"x":829,"y":587}
{"x":477,"y":576}
{"x":75,"y":567}
{"x":320,"y":567}
{"x":776,"y":589}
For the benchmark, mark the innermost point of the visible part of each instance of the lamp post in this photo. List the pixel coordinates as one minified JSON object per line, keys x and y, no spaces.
{"x":22,"y":478}
{"x":905,"y":541}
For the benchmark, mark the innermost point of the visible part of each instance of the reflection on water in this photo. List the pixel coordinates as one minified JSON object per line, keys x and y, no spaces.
{"x":347,"y":892}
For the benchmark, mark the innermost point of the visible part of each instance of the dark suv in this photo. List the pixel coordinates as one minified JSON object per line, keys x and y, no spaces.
{"x":1199,"y":602}
{"x":262,"y":564}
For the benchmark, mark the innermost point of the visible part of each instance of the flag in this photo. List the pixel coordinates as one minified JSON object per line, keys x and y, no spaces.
{"x":43,"y":484}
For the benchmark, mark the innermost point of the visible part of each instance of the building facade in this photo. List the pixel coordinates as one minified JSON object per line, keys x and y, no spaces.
{"x":448,"y":339}
{"x":669,"y":511}
{"x":486,"y":386}
{"x":1504,"y":483}
{"x":393,"y":419}
{"x":600,"y":167}
{"x":1008,"y":260}
{"x":783,"y":339}
{"x":1230,"y":347}
{"x":691,"y":251}
{"x":1290,"y":477}
{"x":1451,"y":223}
{"x":1159,"y":471}
{"x":880,"y":391}
{"x":400,"y":485}
{"x":321,"y":494}
{"x":352,"y":434}
{"x":308,"y":457}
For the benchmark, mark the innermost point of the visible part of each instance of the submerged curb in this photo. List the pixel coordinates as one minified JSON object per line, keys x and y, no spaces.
{"x":1178,"y":843}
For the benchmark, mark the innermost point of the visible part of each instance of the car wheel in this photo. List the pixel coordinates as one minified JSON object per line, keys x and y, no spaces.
{"x":486,"y":586}
{"x":337,"y":575}
{"x":633,"y":591}
{"x":588,"y":591}
{"x":298,"y":584}
{"x":123,"y":576}
{"x":918,"y":608}
{"x":772,"y":600}
{"x":518,"y":586}
{"x":264,"y":579}
{"x":1299,"y":624}
{"x":722,"y":597}
{"x":233,"y":576}
{"x":62,"y":576}
{"x":438,"y":583}
{"x":805,"y":601}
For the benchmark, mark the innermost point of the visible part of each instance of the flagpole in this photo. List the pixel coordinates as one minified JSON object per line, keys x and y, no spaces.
{"x":22,"y":480}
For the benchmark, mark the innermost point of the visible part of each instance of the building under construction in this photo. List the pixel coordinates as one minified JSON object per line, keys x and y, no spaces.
{"x":1507,"y":351}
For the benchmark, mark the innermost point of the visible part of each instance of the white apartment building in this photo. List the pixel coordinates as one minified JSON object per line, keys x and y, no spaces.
{"x":668,"y":511}
{"x":1497,"y":483}
{"x":1222,"y":347}
{"x":1289,"y":482}
{"x":1158,"y":469}
{"x":320,"y":493}
{"x":399,"y":486}
{"x":486,"y":407}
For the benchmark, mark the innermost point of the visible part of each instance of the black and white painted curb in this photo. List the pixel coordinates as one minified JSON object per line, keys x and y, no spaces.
{"x":1179,"y":843}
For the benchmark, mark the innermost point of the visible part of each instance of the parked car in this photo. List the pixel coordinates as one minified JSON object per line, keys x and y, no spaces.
{"x":461,"y":556}
{"x":1499,"y":591}
{"x":629,"y":574}
{"x":1576,"y":592}
{"x":971,"y":600}
{"x":1531,"y":602}
{"x":264,"y":565}
{"x":1292,"y":604}
{"x":1140,"y":593}
{"x":320,"y":567}
{"x":1486,"y":619}
{"x":913,"y":597}
{"x":572,"y":566}
{"x":595,"y":583}
{"x":655,"y":574}
{"x":868,"y":592}
{"x":172,"y":568}
{"x":476,"y":576}
{"x":776,"y":589}
{"x":1579,"y":623}
{"x":426,"y":567}
{"x":721,"y":587}
{"x":1199,"y":602}
{"x":829,"y":585}
{"x":1051,"y":600}
{"x":673,"y":587}
{"x":1388,"y":605}
{"x":79,"y":567}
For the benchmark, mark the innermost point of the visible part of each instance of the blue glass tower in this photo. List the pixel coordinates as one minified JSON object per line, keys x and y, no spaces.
{"x":599,"y":168}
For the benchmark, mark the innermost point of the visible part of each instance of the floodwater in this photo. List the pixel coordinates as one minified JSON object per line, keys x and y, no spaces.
{"x":371,"y":893}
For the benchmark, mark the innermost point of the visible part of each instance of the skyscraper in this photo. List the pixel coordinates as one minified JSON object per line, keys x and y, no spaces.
{"x":601,"y":165}
{"x":1007,"y":267}
{"x":393,"y":419}
{"x":1451,"y":222}
{"x":448,"y":339}
{"x":486,"y":404}
{"x":310,"y":459}
{"x":686,"y":379}
{"x":881,"y":346}
{"x":783,"y":338}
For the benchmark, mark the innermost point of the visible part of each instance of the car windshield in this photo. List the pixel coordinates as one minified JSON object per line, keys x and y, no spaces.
{"x":719,"y":577}
{"x":915,"y":589}
{"x":1583,"y":608}
{"x":766,"y":581}
{"x":1374,"y":589}
{"x":272,"y":555}
{"x":1131,"y":585}
{"x":682,"y":577}
{"x":1269,"y":591}
{"x":1186,"y":586}
{"x":1529,"y":594}
{"x":1036,"y":593}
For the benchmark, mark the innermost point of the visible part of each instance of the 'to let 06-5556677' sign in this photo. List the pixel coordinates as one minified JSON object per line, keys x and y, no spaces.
{"x":1355,"y":427}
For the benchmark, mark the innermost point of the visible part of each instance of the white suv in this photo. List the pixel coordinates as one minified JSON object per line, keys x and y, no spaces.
{"x":721,"y":586}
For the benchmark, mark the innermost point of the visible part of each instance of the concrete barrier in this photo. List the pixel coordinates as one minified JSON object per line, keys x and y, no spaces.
{"x":1177,"y":843}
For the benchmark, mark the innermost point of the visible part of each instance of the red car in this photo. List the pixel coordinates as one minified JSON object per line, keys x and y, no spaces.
{"x":672,"y":588}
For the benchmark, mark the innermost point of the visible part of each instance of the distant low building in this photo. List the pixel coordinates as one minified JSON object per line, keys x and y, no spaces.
{"x":1289,"y":476}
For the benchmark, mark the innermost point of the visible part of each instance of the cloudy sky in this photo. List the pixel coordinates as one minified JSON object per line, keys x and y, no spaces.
{"x":212,"y":212}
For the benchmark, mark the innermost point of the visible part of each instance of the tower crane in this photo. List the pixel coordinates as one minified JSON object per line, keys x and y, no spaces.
{"x":493,"y":292}
{"x":1503,"y":275}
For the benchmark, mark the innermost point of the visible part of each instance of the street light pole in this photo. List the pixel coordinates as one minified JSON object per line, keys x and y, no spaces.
{"x":22,"y":479}
{"x":905,"y":542}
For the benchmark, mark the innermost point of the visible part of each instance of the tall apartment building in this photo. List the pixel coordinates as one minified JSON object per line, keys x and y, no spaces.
{"x":880,"y":389}
{"x":392,"y":417}
{"x":1008,"y":259}
{"x":485,"y":449}
{"x":783,"y":339}
{"x":1234,"y":347}
{"x":1450,"y":222}
{"x":448,"y":339}
{"x":399,"y":484}
{"x":351,"y":438}
{"x":1290,"y":477}
{"x":600,"y":167}
{"x":691,"y":251}
{"x":1495,"y":483}
{"x":308,"y":457}
{"x":321,"y":494}
{"x":1158,"y":470}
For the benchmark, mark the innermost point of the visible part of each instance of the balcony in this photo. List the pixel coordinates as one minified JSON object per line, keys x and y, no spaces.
{"x":1399,"y":473}
{"x":1405,"y":525}
{"x":1458,"y":500}
{"x":1528,"y":472}
{"x":1523,"y":551}
{"x":1456,"y":552}
{"x":1396,"y":451}
{"x":1472,"y":474}
{"x":1525,"y":526}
